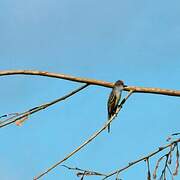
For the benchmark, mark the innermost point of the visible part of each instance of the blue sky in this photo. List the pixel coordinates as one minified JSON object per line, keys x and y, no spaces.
{"x":137,"y":41}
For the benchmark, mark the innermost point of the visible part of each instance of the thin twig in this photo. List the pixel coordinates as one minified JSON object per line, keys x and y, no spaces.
{"x":157,"y":166}
{"x":170,"y":172}
{"x":91,"y":81}
{"x":9,"y":117}
{"x":170,"y":155}
{"x":87,"y":141}
{"x":168,"y":161}
{"x":177,"y":161}
{"x":117,"y":176}
{"x":38,"y":108}
{"x":146,"y":158}
{"x":149,"y":171}
{"x":142,"y":159}
{"x":82,"y":171}
{"x":175,"y":134}
{"x":163,"y":174}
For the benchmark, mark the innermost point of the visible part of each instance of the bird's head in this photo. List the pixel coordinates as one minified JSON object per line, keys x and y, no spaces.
{"x":120,"y":83}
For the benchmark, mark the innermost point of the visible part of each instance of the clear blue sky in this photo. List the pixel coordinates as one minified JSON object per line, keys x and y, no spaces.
{"x":137,"y":41}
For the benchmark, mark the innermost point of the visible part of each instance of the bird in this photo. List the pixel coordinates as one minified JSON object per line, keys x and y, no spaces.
{"x":114,"y":99}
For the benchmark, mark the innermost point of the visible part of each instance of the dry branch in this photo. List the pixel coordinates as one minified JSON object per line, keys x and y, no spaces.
{"x":146,"y":158}
{"x":143,"y":158}
{"x":91,"y":81}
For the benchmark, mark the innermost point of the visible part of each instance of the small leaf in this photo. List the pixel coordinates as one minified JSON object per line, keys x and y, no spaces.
{"x":21,"y":121}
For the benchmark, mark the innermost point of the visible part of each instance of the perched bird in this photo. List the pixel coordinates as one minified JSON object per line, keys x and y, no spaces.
{"x":114,"y":99}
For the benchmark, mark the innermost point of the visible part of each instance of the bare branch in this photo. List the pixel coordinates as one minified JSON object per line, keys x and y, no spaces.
{"x":168,"y":161}
{"x":83,"y":172}
{"x":91,"y":81}
{"x":87,"y":141}
{"x":143,"y":158}
{"x":24,"y":115}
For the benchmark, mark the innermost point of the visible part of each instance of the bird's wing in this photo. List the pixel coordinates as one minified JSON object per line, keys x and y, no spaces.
{"x":117,"y":100}
{"x":111,"y":103}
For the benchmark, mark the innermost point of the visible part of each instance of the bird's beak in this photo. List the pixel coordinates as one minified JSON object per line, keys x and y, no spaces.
{"x":125,"y":85}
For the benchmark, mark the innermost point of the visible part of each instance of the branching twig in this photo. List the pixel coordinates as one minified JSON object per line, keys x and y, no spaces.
{"x":167,"y":163}
{"x":88,"y":140}
{"x":163,"y":174}
{"x":143,"y":158}
{"x":157,"y":166}
{"x":91,"y":81}
{"x":23,"y":115}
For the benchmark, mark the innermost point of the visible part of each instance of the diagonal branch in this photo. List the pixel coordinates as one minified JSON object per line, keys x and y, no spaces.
{"x":91,"y":81}
{"x":25,"y":114}
{"x":87,"y":141}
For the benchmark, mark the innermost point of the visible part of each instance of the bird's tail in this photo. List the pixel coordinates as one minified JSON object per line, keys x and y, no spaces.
{"x":109,"y":128}
{"x":109,"y":116}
